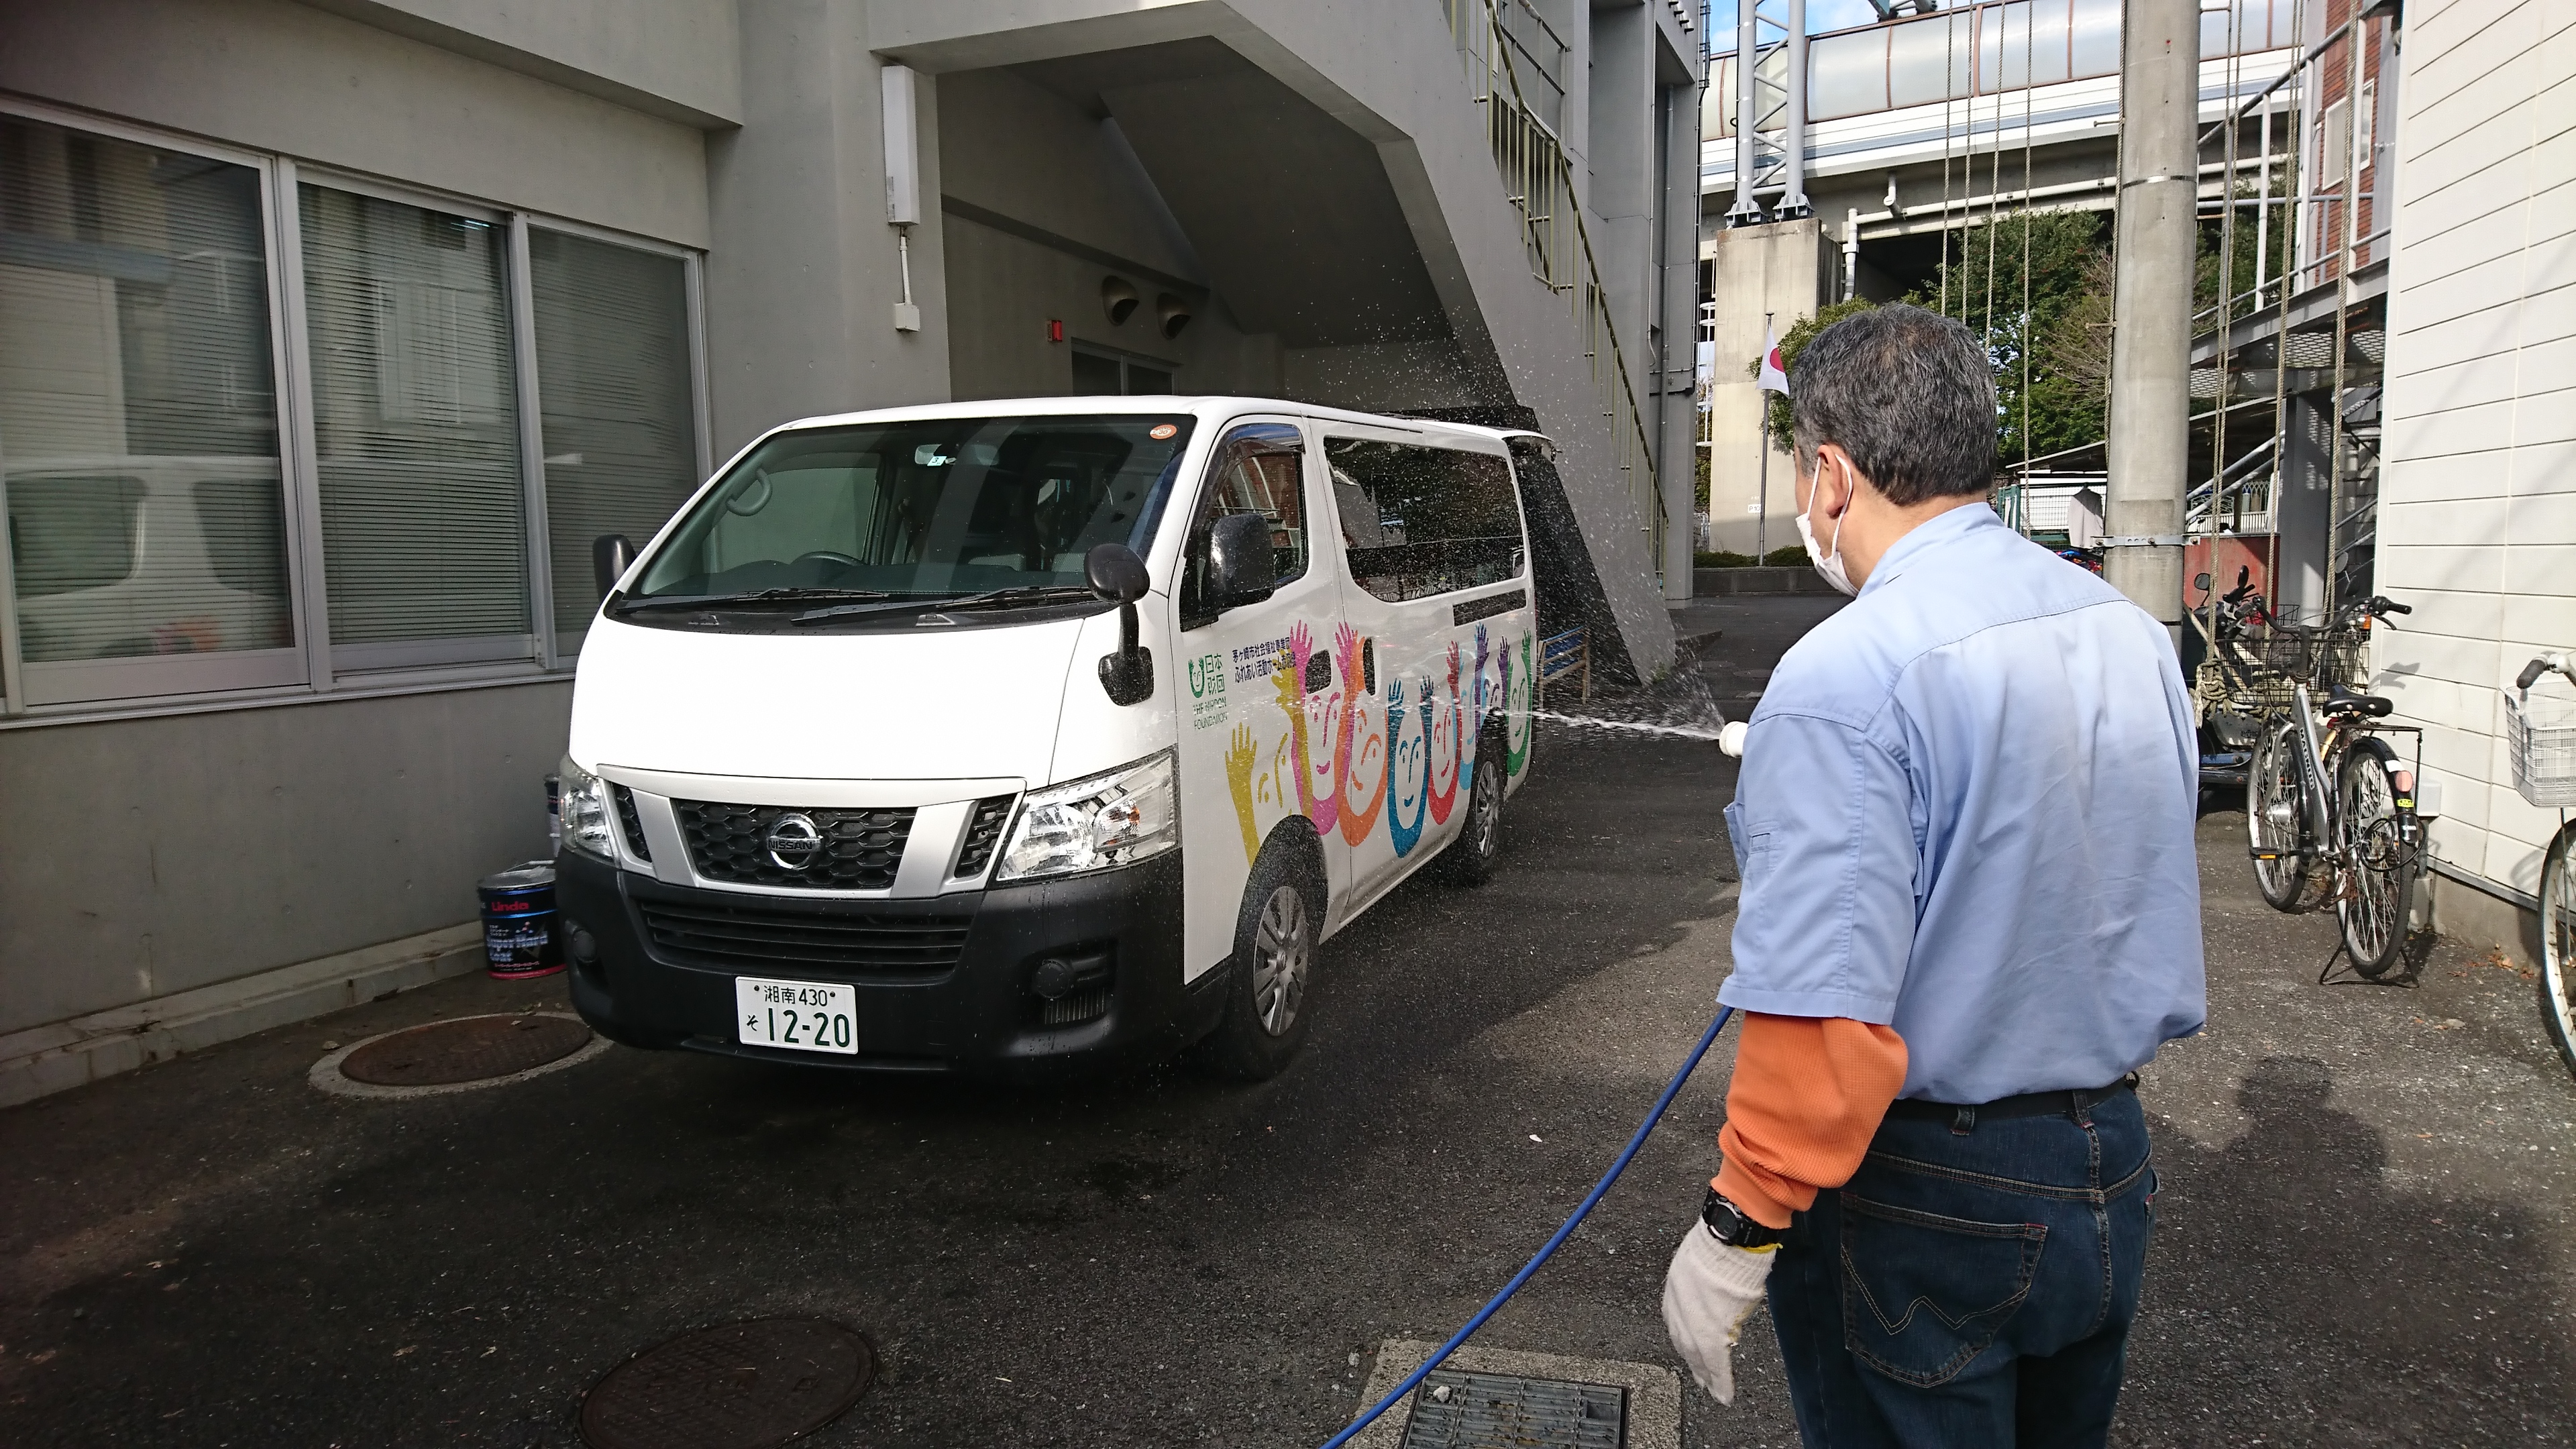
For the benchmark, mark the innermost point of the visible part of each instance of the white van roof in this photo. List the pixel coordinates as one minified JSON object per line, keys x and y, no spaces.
{"x":1205,"y":407}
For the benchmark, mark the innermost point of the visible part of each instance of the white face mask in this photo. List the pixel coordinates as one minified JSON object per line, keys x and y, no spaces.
{"x":1830,"y":565}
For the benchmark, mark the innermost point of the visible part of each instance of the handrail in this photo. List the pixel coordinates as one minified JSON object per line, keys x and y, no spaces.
{"x":1539,"y":181}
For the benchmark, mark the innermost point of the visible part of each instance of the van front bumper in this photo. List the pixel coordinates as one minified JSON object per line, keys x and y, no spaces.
{"x":947,"y":983}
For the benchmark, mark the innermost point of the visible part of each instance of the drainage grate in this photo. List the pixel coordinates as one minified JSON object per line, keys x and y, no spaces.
{"x":734,"y":1386}
{"x":470,"y":1050}
{"x":1458,"y":1410}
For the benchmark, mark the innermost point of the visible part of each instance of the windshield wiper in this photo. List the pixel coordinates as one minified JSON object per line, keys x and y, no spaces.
{"x":946,"y":602}
{"x":762,"y":596}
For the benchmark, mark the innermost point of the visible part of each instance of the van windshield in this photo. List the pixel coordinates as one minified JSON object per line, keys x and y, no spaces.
{"x":932,"y":509}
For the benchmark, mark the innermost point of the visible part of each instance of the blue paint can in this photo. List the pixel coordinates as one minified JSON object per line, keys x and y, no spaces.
{"x":519,"y":922}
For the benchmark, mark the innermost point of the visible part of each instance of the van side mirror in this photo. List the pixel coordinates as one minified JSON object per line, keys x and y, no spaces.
{"x":1115,"y":572}
{"x":611,"y":554}
{"x":1242,"y":568}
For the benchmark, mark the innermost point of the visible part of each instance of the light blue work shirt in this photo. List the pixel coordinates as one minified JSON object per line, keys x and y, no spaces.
{"x":1966,"y":812}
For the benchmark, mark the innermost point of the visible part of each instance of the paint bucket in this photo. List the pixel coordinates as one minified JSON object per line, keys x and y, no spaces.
{"x":519,"y":922}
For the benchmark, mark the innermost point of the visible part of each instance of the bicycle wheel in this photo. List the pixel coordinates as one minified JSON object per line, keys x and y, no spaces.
{"x":2377,"y":867}
{"x":2272,"y":825}
{"x":2558,"y":942}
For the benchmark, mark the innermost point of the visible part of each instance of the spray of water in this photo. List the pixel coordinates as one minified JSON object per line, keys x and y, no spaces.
{"x":1678,"y":706}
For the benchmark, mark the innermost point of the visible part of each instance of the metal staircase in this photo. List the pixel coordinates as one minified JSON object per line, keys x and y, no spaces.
{"x":1497,"y":44}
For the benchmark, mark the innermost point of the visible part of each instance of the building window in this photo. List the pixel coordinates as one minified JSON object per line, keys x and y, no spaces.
{"x":1098,"y":373}
{"x":617,"y":409}
{"x":415,"y":432}
{"x":476,"y":395}
{"x":138,"y":422}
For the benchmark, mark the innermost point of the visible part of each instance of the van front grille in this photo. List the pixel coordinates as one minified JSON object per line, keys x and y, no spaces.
{"x":858,"y":850}
{"x":754,"y":938}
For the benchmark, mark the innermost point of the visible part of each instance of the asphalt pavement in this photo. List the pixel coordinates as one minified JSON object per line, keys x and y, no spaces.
{"x":2367,"y":1226}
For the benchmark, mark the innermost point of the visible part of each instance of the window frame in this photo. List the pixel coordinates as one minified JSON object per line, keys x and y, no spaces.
{"x":1328,"y":432}
{"x":30,"y":685}
{"x":382,"y":657}
{"x":532,"y":420}
{"x":42,"y":693}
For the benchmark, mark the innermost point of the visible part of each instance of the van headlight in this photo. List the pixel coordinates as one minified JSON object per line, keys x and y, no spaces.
{"x":586,"y":811}
{"x":1112,"y":819}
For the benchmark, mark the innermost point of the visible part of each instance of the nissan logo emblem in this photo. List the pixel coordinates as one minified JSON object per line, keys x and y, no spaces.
{"x":794,"y":841}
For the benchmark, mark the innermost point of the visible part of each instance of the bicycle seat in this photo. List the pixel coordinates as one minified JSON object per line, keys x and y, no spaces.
{"x":2367,"y":706}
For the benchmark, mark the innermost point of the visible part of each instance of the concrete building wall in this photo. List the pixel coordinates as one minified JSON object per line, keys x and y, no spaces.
{"x":278,"y":76}
{"x":147,"y":857}
{"x":2477,"y":502}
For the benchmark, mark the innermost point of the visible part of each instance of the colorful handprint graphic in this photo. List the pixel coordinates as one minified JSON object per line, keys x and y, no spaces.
{"x":1359,"y":758}
{"x":1239,"y":755}
{"x":1442,"y":758}
{"x":1409,"y":768}
{"x":1516,"y":711}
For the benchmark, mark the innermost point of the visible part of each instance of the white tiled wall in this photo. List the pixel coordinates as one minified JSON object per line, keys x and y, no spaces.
{"x":2478,"y":487}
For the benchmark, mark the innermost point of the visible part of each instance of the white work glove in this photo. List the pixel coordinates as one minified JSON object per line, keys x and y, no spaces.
{"x":1708,"y":1293}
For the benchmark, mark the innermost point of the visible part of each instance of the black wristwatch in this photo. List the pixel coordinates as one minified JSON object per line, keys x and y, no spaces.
{"x":1728,"y":1224}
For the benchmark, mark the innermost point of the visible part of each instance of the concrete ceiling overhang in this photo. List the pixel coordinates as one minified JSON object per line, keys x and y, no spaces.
{"x":1290,"y":210}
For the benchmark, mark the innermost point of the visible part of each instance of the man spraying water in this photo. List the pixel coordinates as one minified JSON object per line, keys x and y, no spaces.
{"x":1970,"y":912}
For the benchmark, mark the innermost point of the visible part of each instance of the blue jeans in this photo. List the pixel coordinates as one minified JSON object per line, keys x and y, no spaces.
{"x":1970,"y":1287}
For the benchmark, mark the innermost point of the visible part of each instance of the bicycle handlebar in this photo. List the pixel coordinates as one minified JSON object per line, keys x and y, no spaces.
{"x":2545,"y":664}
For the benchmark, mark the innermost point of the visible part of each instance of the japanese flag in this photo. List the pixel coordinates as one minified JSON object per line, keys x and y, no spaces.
{"x":1774,"y":377}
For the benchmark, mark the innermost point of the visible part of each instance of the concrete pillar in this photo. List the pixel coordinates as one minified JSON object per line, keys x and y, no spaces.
{"x":1677,"y":224}
{"x":2300,"y":508}
{"x":2150,"y":439}
{"x":1779,"y":268}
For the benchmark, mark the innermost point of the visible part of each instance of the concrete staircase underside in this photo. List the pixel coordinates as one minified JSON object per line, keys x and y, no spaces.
{"x":1337,"y":184}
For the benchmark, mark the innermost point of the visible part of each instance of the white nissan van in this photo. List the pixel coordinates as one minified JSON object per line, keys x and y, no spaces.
{"x":985,"y":735}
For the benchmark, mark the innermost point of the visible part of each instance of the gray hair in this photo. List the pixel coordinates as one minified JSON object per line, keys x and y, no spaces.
{"x":1909,"y":394}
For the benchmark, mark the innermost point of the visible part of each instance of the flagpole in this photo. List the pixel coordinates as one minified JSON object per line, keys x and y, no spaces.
{"x":1762,"y":449}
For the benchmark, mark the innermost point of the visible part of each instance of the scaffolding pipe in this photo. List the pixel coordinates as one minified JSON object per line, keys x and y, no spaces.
{"x":1793,"y":196}
{"x":2150,"y":434}
{"x":1746,"y":211}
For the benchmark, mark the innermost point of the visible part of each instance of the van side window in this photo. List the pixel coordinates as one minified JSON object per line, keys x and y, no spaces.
{"x":1258,"y":468}
{"x":1418,"y":521}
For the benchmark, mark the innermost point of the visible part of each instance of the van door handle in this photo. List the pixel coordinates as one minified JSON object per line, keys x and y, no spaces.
{"x":1319,"y":673}
{"x":1368,"y":666}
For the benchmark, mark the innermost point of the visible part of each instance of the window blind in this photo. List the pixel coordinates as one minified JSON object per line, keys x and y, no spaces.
{"x":617,"y":412}
{"x":138,"y":409}
{"x":415,"y":428}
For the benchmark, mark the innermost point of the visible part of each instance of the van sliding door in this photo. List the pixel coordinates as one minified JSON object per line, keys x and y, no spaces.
{"x":1264,"y":693}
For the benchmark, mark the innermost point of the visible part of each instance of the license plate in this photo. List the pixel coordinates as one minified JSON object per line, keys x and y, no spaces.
{"x":805,"y":1016}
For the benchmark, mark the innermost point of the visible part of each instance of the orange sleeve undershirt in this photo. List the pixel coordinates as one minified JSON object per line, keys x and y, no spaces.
{"x":1806,"y":1098}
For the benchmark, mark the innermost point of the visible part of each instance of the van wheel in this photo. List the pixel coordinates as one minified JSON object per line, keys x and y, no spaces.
{"x":1471,"y":858}
{"x":1271,"y":998}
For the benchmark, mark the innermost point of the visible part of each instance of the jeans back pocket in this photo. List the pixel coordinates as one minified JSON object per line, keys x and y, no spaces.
{"x":1922,"y":1293}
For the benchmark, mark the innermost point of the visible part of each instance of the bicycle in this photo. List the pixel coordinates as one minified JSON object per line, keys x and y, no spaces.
{"x":2329,"y":810}
{"x":2544,"y":773}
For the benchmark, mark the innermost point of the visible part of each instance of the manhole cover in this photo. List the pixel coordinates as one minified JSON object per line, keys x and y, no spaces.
{"x":735,"y":1386}
{"x":1456,"y":1410}
{"x":470,"y":1050}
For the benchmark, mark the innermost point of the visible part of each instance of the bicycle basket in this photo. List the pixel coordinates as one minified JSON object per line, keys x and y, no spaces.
{"x":2542,"y":736}
{"x":2343,"y":658}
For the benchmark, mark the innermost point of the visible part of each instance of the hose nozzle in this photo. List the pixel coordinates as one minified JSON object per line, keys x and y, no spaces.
{"x":1730,"y":739}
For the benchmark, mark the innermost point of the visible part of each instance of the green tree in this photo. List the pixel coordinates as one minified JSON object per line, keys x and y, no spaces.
{"x":2047,"y":306}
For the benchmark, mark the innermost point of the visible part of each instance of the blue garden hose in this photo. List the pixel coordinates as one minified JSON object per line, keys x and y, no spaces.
{"x":1618,"y":1165}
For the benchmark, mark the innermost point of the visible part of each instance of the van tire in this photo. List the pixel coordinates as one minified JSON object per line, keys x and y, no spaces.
{"x":1270,"y":993}
{"x":1471,"y":858}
